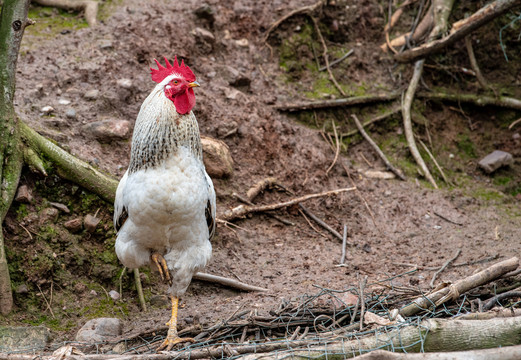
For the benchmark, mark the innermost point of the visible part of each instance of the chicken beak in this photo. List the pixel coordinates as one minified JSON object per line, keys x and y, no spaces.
{"x":193,"y":84}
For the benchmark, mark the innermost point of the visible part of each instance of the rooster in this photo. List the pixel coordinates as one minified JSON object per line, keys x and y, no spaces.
{"x":164,"y":210}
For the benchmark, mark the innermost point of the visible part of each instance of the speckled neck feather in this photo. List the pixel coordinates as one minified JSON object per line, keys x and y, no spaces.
{"x":160,"y":131}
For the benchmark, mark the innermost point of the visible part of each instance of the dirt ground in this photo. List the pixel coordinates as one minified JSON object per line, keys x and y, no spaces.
{"x":390,"y":223}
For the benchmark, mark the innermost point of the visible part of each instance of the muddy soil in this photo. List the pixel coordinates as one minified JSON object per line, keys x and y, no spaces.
{"x":391,"y":223}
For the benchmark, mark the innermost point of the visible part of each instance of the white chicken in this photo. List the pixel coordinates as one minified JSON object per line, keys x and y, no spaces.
{"x":165,"y":204}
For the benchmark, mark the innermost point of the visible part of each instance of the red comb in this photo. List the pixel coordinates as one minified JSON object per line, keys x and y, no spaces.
{"x":162,"y":72}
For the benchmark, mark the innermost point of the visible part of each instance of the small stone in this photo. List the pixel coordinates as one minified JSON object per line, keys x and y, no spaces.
{"x":48,"y":215}
{"x":233,"y":76}
{"x":64,"y":102}
{"x":242,"y":42}
{"x":114,"y":295}
{"x":23,"y":338}
{"x":203,"y":34}
{"x":495,"y":160}
{"x":91,"y":95}
{"x":205,"y":12}
{"x":125,"y":83}
{"x":101,"y":329}
{"x":105,"y":45}
{"x":70,"y":114}
{"x":108,"y":130}
{"x":159,"y":301}
{"x":93,"y":293}
{"x":74,"y":225}
{"x":21,"y":289}
{"x":232,"y":94}
{"x":376,"y":174}
{"x":91,"y":223}
{"x":47,"y":110}
{"x":217,"y":158}
{"x":23,"y":194}
{"x":60,"y":207}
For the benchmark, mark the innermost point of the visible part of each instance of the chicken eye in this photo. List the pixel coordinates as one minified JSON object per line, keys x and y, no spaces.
{"x":175,"y":82}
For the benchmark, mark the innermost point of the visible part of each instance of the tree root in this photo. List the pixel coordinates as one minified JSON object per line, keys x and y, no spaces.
{"x":89,"y":7}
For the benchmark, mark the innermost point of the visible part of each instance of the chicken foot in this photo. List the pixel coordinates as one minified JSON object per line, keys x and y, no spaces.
{"x":172,"y":337}
{"x":162,"y":267}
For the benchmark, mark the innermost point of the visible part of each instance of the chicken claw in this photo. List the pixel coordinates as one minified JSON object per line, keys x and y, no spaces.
{"x":172,"y":337}
{"x":160,"y":262}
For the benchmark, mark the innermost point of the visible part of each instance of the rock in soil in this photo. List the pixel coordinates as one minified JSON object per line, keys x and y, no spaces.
{"x":101,"y":329}
{"x":48,"y":215}
{"x":61,"y":207}
{"x":91,"y":222}
{"x":23,"y":338}
{"x":495,"y":160}
{"x":108,"y":130}
{"x":23,"y":195}
{"x":217,"y":158}
{"x":74,"y":225}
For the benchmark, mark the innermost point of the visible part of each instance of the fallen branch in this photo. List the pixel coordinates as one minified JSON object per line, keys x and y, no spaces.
{"x":243,"y":210}
{"x":227,"y":282}
{"x":407,"y":124}
{"x":489,"y":304}
{"x":474,"y":63}
{"x":356,"y":100}
{"x":306,"y":211}
{"x":384,"y":116}
{"x":459,"y":30}
{"x":337,"y":61}
{"x":460,"y":287}
{"x":377,"y":149}
{"x":444,"y":266}
{"x":88,"y":6}
{"x":259,"y":187}
{"x":502,"y":101}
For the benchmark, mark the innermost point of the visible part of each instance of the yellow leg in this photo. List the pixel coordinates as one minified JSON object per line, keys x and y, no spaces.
{"x":160,"y":262}
{"x":172,"y":337}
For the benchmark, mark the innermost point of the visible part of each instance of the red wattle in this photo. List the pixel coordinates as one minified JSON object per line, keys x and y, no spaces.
{"x":185,"y":102}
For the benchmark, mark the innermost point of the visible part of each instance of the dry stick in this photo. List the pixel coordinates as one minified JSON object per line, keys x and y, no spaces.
{"x":362,"y":302}
{"x":407,"y":124}
{"x":393,"y":111}
{"x":303,"y":10}
{"x":259,"y":187}
{"x":489,"y":304}
{"x":139,"y":289}
{"x":338,"y":61}
{"x":243,"y":210}
{"x":442,"y":173}
{"x":474,"y":63}
{"x":420,"y":31}
{"x":325,"y":56}
{"x":350,"y":101}
{"x":502,"y":101}
{"x":460,"y":286}
{"x":458,"y":252}
{"x":306,"y":211}
{"x":274,"y":216}
{"x":459,"y":30}
{"x":377,"y":149}
{"x":227,"y":282}
{"x":344,"y":245}
{"x":310,"y":224}
{"x":337,"y":149}
{"x":447,"y":219}
{"x":46,"y":302}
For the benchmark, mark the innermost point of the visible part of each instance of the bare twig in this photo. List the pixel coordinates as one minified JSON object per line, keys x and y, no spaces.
{"x":418,"y":33}
{"x":442,"y":173}
{"x":139,"y":288}
{"x":406,"y":113}
{"x":259,"y":187}
{"x":344,"y":246}
{"x":337,"y":61}
{"x":474,"y":63}
{"x":303,"y":10}
{"x":363,"y":282}
{"x":337,"y":148}
{"x":325,"y":56}
{"x":459,"y":30}
{"x":489,"y":304}
{"x":384,"y":116}
{"x":350,"y":101}
{"x":306,"y":211}
{"x":503,"y":101}
{"x":447,"y":219}
{"x":46,"y":302}
{"x":227,"y":282}
{"x":377,"y":149}
{"x":310,"y":224}
{"x":274,"y":216}
{"x":242,"y":210}
{"x":458,"y":252}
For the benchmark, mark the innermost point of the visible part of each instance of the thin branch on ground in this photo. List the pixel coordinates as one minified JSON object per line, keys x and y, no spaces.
{"x":337,"y":61}
{"x":447,"y":219}
{"x":363,"y":282}
{"x":325,"y":56}
{"x":259,"y":187}
{"x":344,"y":246}
{"x":350,"y":101}
{"x":474,"y":63}
{"x":489,"y":304}
{"x":419,"y":32}
{"x":444,"y":266}
{"x":227,"y":282}
{"x":407,"y":123}
{"x":139,"y":288}
{"x":394,"y":110}
{"x":442,"y":173}
{"x":480,"y":100}
{"x":306,"y":211}
{"x":310,"y":224}
{"x":274,"y":216}
{"x":377,"y":149}
{"x":303,"y":10}
{"x":337,"y":148}
{"x":459,"y":30}
{"x":242,"y":210}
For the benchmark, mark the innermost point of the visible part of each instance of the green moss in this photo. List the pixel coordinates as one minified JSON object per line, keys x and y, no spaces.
{"x":466,"y":146}
{"x":21,"y":212}
{"x":488,"y":194}
{"x":502,"y":180}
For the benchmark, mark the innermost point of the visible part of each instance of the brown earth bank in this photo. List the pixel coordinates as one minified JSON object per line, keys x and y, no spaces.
{"x":61,"y":279}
